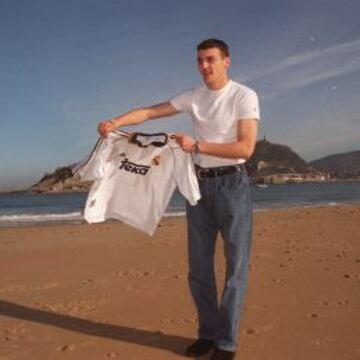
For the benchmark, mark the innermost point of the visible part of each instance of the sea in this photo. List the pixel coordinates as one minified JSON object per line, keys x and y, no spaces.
{"x":26,"y":209}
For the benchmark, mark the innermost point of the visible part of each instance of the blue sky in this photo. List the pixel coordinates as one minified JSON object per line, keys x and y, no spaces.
{"x":66,"y":65}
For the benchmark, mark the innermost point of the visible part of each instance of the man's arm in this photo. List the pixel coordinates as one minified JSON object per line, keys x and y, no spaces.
{"x":137,"y":116}
{"x":241,"y":149}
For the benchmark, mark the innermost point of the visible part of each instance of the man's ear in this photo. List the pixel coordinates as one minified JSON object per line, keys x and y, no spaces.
{"x":227,"y":62}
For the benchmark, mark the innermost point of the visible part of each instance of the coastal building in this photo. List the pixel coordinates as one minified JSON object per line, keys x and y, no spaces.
{"x":271,"y":174}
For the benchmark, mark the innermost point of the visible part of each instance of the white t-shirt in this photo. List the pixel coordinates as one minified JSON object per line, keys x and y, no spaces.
{"x":134,"y":184}
{"x":215,"y":114}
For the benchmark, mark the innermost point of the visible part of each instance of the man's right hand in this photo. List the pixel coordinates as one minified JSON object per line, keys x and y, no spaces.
{"x":137,"y":116}
{"x":105,"y":127}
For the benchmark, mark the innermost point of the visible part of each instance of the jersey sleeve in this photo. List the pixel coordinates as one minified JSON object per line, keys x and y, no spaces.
{"x":248,"y":106}
{"x":185,"y":177}
{"x":92,"y":168}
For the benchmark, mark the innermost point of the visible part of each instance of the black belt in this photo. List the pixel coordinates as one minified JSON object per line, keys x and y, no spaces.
{"x":218,"y":171}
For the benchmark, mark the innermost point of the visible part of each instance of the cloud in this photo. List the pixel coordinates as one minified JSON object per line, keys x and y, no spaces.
{"x":308,"y":68}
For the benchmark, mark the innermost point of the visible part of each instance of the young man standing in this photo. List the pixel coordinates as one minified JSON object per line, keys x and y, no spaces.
{"x":225,"y":116}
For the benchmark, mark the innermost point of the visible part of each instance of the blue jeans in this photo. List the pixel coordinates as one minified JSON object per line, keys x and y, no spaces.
{"x":225,"y":207}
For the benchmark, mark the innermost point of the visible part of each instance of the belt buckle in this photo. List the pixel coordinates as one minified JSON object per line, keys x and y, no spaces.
{"x":198,"y":173}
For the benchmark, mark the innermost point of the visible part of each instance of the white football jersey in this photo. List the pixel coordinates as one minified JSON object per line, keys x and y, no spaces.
{"x":134,"y":182}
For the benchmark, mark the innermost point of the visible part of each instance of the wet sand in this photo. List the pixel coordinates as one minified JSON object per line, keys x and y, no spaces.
{"x":108,"y":291}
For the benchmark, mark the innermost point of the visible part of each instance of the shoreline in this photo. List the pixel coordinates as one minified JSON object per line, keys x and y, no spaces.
{"x":78,"y":219}
{"x":109,"y":291}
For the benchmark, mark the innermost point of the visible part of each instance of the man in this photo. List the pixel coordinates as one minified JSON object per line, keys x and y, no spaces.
{"x":225,"y":116}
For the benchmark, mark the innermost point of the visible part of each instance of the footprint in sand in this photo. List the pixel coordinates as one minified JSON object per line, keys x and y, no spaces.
{"x":337,"y":303}
{"x":16,"y":332}
{"x":71,"y":308}
{"x":278,"y":280}
{"x":89,"y":281}
{"x":173,"y":276}
{"x":64,"y":348}
{"x":262,"y":328}
{"x":112,"y":355}
{"x":179,"y":321}
{"x":20,"y":288}
{"x":135,"y":273}
{"x":254,"y":266}
{"x":342,"y":303}
{"x":8,"y":242}
{"x":313,"y":316}
{"x":323,"y":341}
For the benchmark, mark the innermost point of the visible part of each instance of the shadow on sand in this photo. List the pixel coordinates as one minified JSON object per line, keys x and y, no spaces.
{"x":154,"y":339}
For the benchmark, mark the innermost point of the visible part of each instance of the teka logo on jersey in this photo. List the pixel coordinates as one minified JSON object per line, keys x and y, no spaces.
{"x":134,"y":168}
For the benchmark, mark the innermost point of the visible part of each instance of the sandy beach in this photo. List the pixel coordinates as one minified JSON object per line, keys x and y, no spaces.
{"x":108,"y":291}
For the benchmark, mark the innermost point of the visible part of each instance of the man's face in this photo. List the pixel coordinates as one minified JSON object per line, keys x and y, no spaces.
{"x":213,"y":65}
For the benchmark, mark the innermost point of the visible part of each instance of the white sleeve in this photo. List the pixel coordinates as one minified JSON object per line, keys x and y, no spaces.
{"x":248,"y":106}
{"x":182,"y":102}
{"x":185,"y":177}
{"x":92,"y":167}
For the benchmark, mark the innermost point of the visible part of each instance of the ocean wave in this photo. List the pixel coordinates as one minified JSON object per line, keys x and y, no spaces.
{"x":18,"y":219}
{"x":175,"y":213}
{"x":73,"y":217}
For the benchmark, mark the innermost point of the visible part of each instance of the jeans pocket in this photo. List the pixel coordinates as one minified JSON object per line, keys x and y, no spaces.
{"x":232,"y":182}
{"x":243,"y":179}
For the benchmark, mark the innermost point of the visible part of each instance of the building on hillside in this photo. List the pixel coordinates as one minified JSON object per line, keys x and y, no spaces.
{"x":270,"y":174}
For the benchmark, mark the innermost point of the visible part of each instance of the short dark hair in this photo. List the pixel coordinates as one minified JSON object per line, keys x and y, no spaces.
{"x":215,"y":43}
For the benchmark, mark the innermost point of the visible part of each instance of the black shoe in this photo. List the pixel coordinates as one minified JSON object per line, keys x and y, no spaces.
{"x":199,"y":347}
{"x":222,"y":355}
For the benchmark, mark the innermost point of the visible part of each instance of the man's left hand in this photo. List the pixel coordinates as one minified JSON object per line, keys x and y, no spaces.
{"x":186,"y":142}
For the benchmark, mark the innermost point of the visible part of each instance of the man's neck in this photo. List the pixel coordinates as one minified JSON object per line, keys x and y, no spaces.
{"x":218,"y":85}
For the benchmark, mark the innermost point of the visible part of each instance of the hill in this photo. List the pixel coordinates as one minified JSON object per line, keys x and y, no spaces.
{"x":60,"y":180}
{"x":271,"y":158}
{"x":343,"y":165}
